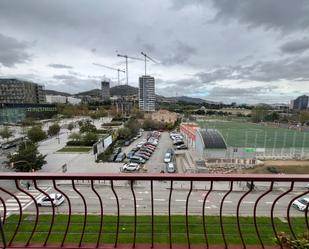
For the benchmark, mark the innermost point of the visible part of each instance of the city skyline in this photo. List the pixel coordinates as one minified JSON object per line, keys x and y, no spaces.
{"x":244,"y":51}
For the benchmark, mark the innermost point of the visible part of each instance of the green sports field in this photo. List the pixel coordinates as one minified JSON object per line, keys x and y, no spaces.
{"x":244,"y":134}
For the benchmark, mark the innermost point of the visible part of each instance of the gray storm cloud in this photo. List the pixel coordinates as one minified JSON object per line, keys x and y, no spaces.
{"x":213,"y":41}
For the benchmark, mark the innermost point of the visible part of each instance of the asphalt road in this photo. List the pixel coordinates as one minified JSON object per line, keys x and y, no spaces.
{"x":161,"y":199}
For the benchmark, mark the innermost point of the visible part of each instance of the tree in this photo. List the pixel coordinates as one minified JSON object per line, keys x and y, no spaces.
{"x":304,"y":117}
{"x":6,"y":133}
{"x":87,"y":127}
{"x":124,"y":133}
{"x":150,"y":125}
{"x":90,"y":138}
{"x":71,"y":126}
{"x":36,"y":134}
{"x":27,"y":158}
{"x":53,"y":130}
{"x":133,"y":125}
{"x":258,"y":114}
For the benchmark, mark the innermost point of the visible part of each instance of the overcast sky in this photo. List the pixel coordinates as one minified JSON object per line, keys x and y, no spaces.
{"x":223,"y":50}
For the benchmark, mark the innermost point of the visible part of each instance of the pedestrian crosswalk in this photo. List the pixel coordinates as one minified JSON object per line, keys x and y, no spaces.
{"x":25,"y":201}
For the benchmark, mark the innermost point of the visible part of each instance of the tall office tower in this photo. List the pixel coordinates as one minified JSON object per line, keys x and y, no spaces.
{"x":105,"y":91}
{"x":147,"y":97}
{"x":14,"y":91}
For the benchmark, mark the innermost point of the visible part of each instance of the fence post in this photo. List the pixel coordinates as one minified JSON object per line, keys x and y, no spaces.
{"x":2,"y":233}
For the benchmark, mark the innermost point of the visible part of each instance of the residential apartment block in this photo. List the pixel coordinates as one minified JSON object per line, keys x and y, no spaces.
{"x":14,"y":91}
{"x":147,"y":97}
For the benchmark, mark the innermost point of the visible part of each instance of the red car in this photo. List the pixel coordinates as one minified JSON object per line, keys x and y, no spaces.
{"x":150,"y":146}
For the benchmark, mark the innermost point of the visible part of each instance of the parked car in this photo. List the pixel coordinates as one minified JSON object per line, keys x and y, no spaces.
{"x":170,"y":167}
{"x":139,"y":145}
{"x":55,"y":199}
{"x":170,"y":150}
{"x":121,"y":156}
{"x":153,"y":141}
{"x":130,"y":154}
{"x":145,"y":152}
{"x":167,"y":157}
{"x":117,"y":150}
{"x":137,"y":159}
{"x":178,"y":142}
{"x":112,"y":157}
{"x":150,"y":145}
{"x":301,"y":204}
{"x":181,"y":147}
{"x":130,"y":167}
{"x":145,"y":157}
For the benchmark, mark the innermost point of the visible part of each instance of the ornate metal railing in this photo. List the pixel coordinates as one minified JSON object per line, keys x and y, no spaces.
{"x":152,"y":210}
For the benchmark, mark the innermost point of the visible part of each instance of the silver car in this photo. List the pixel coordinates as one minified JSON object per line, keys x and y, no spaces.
{"x":56,"y":198}
{"x":301,"y":204}
{"x":130,"y":167}
{"x":170,"y":167}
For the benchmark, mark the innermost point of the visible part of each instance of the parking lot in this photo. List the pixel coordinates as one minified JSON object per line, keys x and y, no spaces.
{"x":155,"y":164}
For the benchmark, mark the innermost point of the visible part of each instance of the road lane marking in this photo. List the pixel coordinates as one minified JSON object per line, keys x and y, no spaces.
{"x":145,"y":192}
{"x":203,"y":201}
{"x":9,"y":209}
{"x":14,"y":201}
{"x":159,"y":199}
{"x":114,"y":198}
{"x":12,"y":204}
{"x":22,"y":196}
{"x":138,"y":199}
{"x":73,"y":197}
{"x":249,"y":202}
{"x":180,"y":200}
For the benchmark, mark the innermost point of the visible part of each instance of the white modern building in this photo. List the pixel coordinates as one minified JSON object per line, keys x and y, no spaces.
{"x":74,"y":101}
{"x":59,"y":99}
{"x":56,"y":99}
{"x":147,"y":97}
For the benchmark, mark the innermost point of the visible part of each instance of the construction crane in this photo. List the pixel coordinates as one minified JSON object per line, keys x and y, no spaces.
{"x":111,"y":68}
{"x":126,"y":58}
{"x":149,"y":58}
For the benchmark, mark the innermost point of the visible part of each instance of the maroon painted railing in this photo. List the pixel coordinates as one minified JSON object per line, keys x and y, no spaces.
{"x":260,"y":205}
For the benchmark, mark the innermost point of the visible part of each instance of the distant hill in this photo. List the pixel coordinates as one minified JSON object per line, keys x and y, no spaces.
{"x":53,"y":92}
{"x":93,"y":92}
{"x":115,"y":91}
{"x":190,"y":99}
{"x":123,"y":90}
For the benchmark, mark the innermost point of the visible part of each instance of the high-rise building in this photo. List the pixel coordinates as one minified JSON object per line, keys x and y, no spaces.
{"x":147,"y":97}
{"x":301,"y":103}
{"x":105,"y":91}
{"x":14,"y":91}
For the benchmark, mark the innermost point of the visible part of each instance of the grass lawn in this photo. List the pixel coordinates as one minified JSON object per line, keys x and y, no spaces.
{"x":75,"y":149}
{"x":144,"y":229}
{"x":243,"y":134}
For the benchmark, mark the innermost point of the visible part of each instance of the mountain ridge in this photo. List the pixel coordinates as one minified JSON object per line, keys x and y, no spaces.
{"x":123,"y":90}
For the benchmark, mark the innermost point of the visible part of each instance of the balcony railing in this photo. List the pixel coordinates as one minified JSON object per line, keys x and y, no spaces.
{"x":151,"y":210}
